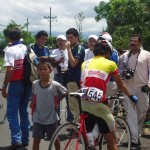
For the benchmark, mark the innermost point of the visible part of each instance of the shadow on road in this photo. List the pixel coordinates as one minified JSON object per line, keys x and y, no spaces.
{"x":7,"y":148}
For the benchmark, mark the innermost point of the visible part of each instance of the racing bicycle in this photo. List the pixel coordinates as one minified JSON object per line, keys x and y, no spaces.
{"x":73,"y":136}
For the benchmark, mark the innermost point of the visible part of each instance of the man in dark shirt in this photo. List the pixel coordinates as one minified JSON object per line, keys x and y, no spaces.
{"x":76,"y":55}
{"x":39,"y":48}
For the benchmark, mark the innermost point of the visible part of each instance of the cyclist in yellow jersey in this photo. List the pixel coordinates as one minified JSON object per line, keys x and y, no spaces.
{"x":96,"y":73}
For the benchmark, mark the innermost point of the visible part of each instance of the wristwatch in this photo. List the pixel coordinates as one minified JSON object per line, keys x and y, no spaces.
{"x":4,"y":86}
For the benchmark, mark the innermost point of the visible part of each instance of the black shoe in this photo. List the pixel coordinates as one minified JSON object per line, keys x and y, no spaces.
{"x":25,"y":144}
{"x":139,"y":142}
{"x":132,"y":144}
{"x":14,"y":146}
{"x":71,"y":133}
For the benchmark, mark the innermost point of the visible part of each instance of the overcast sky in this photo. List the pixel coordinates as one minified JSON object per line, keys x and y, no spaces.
{"x":65,"y":10}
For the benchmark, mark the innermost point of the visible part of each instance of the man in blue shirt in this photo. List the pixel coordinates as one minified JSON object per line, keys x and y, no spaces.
{"x":76,"y":55}
{"x":39,"y":49}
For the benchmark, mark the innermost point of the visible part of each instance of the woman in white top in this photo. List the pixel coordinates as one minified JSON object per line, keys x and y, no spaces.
{"x":92,"y":39}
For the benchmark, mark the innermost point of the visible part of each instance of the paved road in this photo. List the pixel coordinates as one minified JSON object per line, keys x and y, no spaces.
{"x":5,"y":132}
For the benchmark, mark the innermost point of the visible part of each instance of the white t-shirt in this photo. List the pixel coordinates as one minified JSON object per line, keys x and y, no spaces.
{"x":142,"y":63}
{"x":61,"y":53}
{"x":14,"y":56}
{"x":88,"y":54}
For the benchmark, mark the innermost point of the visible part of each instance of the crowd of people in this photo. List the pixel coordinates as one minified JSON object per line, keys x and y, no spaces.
{"x":74,"y":67}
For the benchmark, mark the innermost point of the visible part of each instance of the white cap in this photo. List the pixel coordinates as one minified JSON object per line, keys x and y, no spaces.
{"x":106,"y":36}
{"x":93,"y":36}
{"x":61,"y":37}
{"x":21,"y":39}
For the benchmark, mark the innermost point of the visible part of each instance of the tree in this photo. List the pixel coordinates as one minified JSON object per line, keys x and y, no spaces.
{"x":79,"y":21}
{"x":125,"y":17}
{"x":27,"y":36}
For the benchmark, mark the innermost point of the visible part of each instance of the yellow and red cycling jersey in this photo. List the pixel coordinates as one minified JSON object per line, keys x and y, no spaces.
{"x":96,"y":73}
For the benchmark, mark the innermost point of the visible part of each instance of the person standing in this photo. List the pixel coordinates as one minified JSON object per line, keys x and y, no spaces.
{"x":44,"y":104}
{"x":60,"y":69}
{"x":135,"y":67}
{"x":92,"y":39}
{"x":76,"y":55}
{"x":111,"y":85}
{"x":96,"y":73}
{"x":39,"y":47}
{"x":18,"y":94}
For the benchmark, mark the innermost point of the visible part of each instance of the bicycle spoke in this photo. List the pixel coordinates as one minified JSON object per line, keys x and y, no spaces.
{"x":67,"y":135}
{"x":123,"y":136}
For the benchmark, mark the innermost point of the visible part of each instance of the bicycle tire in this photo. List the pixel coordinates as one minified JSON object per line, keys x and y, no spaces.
{"x":67,"y":134}
{"x":2,"y":112}
{"x":123,"y":135}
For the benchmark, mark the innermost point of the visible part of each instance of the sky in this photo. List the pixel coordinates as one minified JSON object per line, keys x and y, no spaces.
{"x":64,"y":10}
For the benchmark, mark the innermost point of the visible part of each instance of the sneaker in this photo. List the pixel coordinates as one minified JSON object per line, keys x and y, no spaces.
{"x":90,"y":147}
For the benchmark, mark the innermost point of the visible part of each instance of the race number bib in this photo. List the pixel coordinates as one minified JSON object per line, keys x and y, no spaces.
{"x":94,"y":94}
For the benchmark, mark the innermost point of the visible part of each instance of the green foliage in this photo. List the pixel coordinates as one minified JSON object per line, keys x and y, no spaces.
{"x":125,"y":17}
{"x":51,"y":42}
{"x":28,"y":38}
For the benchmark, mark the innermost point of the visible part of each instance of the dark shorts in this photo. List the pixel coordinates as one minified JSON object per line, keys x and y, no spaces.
{"x":102,"y":124}
{"x":40,"y":130}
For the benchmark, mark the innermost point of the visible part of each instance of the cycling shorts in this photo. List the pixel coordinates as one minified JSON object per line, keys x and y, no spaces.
{"x":104,"y":116}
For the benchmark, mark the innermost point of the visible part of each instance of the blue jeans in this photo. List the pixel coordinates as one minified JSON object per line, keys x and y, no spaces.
{"x":17,"y":114}
{"x":70,"y":116}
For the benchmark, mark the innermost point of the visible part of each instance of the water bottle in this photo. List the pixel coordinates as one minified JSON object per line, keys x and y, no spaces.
{"x":90,"y":138}
{"x":95,"y":131}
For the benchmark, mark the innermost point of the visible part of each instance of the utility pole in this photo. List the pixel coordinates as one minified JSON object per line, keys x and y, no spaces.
{"x":50,"y":19}
{"x":27,"y":24}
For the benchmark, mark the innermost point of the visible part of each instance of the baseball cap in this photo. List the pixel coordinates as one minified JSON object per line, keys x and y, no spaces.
{"x":61,"y":37}
{"x":106,"y":36}
{"x":93,"y":36}
{"x":21,"y":39}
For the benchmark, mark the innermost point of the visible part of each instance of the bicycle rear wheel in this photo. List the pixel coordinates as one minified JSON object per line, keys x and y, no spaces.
{"x":66,"y":138}
{"x":123,"y":136}
{"x":2,"y":111}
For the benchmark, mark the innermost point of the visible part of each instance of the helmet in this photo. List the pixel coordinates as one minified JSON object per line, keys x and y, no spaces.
{"x":106,"y":36}
{"x":102,"y":47}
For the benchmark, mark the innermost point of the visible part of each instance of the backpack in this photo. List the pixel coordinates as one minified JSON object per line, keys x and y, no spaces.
{"x":30,"y":68}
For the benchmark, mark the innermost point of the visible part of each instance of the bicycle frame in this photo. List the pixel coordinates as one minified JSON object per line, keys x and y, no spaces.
{"x":82,"y":129}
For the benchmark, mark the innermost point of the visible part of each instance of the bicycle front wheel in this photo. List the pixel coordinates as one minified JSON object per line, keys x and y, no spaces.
{"x":123,"y":136}
{"x":66,"y":138}
{"x":2,"y":111}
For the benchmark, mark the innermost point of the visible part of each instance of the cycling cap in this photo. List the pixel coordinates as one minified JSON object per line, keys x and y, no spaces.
{"x":106,"y":36}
